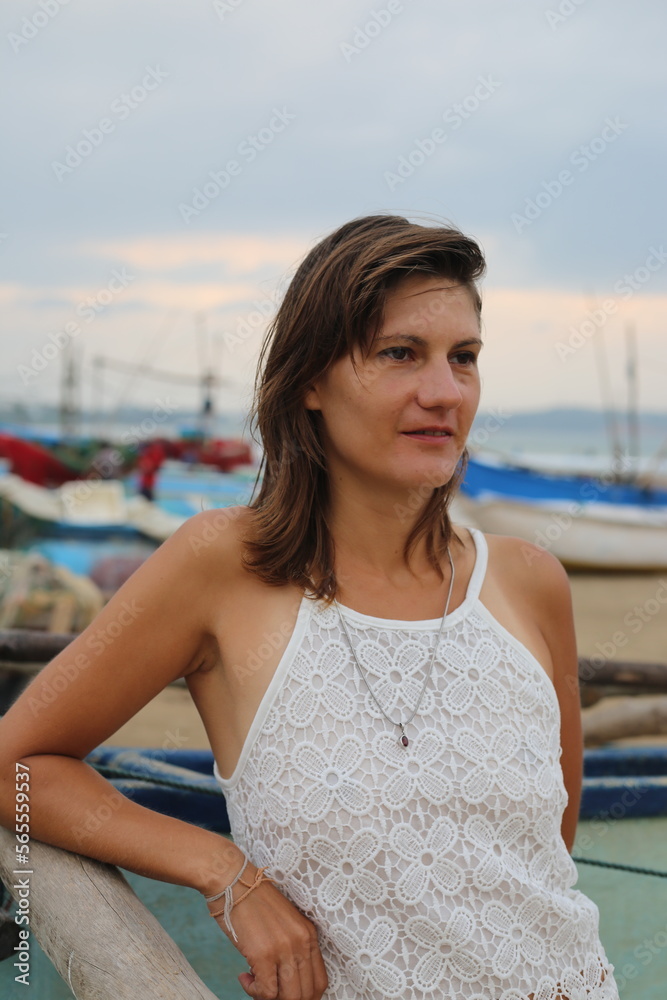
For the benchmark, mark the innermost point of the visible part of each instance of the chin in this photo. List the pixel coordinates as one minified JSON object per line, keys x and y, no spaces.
{"x":430,"y":478}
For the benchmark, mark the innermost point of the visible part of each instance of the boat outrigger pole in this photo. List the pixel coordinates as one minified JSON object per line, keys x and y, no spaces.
{"x":618,"y":456}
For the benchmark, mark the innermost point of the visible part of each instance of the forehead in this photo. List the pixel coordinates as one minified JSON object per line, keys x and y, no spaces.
{"x":421,"y":303}
{"x":418,"y":292}
{"x":417,"y":306}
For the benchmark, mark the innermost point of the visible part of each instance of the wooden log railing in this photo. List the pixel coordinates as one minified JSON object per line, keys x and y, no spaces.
{"x":100,"y":937}
{"x":22,"y":645}
{"x":623,"y":673}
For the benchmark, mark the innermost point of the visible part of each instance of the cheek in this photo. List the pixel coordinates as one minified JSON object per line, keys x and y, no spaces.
{"x":358,"y":420}
{"x":472,"y":388}
{"x":361,"y":426}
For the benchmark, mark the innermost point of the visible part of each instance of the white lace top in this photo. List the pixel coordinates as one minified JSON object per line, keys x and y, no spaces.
{"x":433,"y":870}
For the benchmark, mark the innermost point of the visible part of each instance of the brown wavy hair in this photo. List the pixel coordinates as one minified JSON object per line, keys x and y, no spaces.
{"x":334,"y":303}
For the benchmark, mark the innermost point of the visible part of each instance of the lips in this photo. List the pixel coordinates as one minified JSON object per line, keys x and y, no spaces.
{"x":440,"y":428}
{"x":429,"y":432}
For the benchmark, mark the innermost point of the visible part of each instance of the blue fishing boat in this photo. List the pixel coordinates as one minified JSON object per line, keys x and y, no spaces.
{"x":603,"y":521}
{"x":487,"y":477}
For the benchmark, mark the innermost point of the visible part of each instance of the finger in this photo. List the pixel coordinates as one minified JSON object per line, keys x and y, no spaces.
{"x":320,"y":976}
{"x":305,"y":969}
{"x":262,"y":982}
{"x":246,"y":980}
{"x":289,"y":980}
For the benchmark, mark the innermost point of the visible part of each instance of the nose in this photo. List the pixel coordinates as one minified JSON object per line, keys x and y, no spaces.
{"x":438,"y":386}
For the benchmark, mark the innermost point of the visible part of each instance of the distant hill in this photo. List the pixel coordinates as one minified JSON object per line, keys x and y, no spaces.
{"x":565,"y":430}
{"x":573,"y":419}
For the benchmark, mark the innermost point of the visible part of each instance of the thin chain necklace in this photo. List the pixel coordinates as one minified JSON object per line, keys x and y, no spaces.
{"x":403,"y":739}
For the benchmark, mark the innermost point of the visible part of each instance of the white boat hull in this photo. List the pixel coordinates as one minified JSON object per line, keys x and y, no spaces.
{"x":591,"y":536}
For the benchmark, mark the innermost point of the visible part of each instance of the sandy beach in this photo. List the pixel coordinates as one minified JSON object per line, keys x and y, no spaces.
{"x":618,"y":615}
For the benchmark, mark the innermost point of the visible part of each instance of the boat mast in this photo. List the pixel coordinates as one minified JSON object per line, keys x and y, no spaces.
{"x":633,"y":397}
{"x":607,"y":400}
{"x":69,"y":387}
{"x":207,"y":378}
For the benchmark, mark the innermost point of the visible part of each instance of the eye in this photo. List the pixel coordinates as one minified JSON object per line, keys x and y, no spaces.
{"x":390,"y":349}
{"x":468,"y":357}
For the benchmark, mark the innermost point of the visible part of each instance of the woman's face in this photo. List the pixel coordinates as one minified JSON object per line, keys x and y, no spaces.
{"x":420,"y":373}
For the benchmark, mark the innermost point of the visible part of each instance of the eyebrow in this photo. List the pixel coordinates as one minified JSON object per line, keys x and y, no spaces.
{"x":420,"y":342}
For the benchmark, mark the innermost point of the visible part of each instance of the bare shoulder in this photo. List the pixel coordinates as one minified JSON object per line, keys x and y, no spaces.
{"x":202,"y":550}
{"x":217,"y":532}
{"x":538,"y":574}
{"x":212,"y":543}
{"x":537,"y":581}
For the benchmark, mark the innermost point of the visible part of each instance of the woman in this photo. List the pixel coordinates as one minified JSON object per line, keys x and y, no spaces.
{"x":400,"y":811}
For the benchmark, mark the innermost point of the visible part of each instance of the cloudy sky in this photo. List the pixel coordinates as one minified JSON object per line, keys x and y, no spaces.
{"x":167,"y":165}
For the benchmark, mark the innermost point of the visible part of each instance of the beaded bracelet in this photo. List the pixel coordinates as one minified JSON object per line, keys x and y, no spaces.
{"x":227,"y":893}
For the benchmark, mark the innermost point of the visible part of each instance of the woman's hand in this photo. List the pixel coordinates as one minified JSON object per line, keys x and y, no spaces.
{"x":278,"y":941}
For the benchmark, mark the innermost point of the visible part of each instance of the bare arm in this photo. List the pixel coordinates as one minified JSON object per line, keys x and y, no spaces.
{"x":152,"y":631}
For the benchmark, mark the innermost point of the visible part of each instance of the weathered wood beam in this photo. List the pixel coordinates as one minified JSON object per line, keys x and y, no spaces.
{"x":99,"y":935}
{"x":23,"y":645}
{"x":34,"y":647}
{"x":619,"y":718}
{"x":653,"y":675}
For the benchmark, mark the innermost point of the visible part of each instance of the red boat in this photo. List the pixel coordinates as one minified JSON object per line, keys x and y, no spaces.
{"x":61,"y":463}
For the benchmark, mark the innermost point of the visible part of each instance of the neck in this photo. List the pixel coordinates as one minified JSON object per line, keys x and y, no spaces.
{"x":370,"y":530}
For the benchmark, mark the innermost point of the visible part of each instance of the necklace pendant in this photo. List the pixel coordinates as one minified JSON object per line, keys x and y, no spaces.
{"x":404,"y":740}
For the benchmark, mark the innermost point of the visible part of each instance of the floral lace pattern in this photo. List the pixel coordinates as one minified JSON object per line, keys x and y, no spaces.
{"x":431,"y":870}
